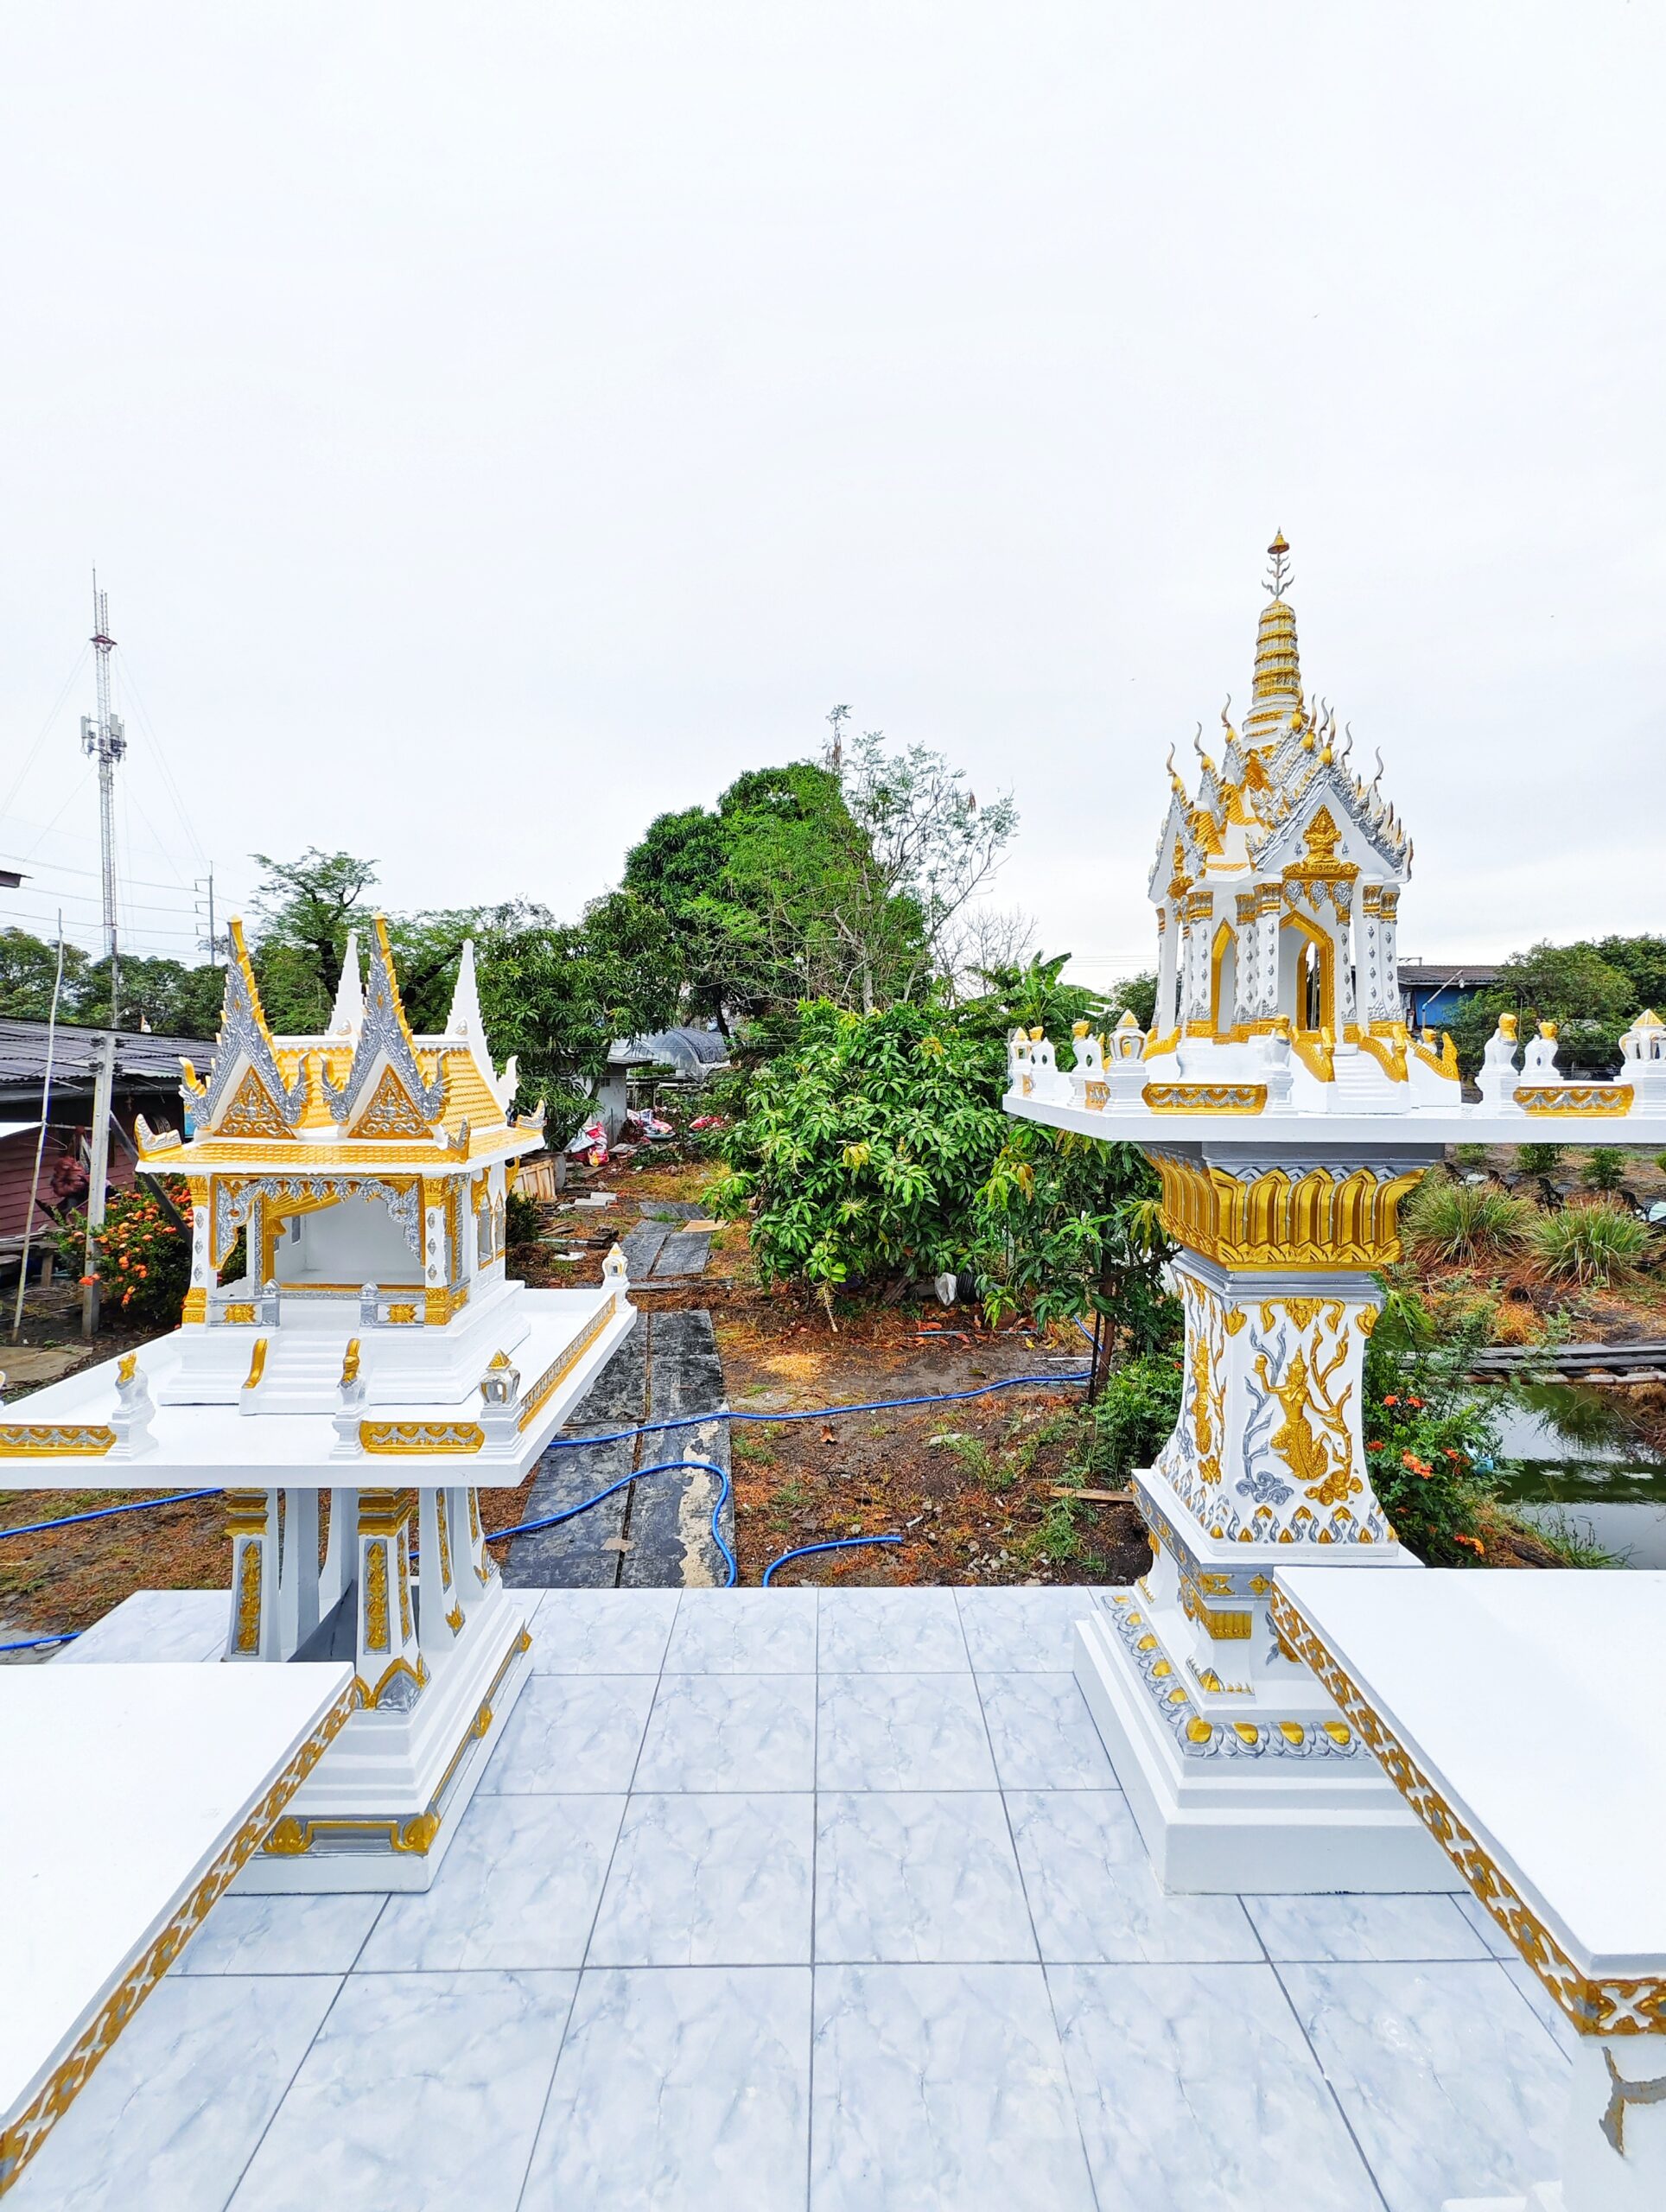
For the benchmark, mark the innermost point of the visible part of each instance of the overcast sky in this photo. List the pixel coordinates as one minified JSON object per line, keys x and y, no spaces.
{"x":494,"y":426}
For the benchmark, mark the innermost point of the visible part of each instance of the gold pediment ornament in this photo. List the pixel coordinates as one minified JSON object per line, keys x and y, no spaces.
{"x":392,"y":1112}
{"x":254,"y":1112}
{"x":1320,"y":858}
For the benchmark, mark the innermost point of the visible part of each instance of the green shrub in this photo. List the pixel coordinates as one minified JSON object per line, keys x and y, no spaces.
{"x":1604,"y":1168}
{"x":144,"y":1261}
{"x":862,"y":1148}
{"x":1131,"y":1420}
{"x":1590,"y":1245}
{"x":1461,"y":1221}
{"x":1470,"y":1155}
{"x":523,"y":1219}
{"x":1539,"y":1159}
{"x":1067,"y":1226}
{"x":1429,"y":1435}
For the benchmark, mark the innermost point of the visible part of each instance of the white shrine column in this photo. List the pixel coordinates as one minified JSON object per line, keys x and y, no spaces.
{"x":391,"y":1669}
{"x":340,"y":1548}
{"x":439,"y":1607}
{"x":298,"y":1613}
{"x":1246,"y":966}
{"x":202,"y":1265}
{"x":1390,"y":938}
{"x":1269,"y":916}
{"x":1194,"y":997}
{"x":256,"y":1627}
{"x":1166,"y":1018}
{"x":436,"y":1252}
{"x":1369,"y":975}
{"x":1346,"y":1001}
{"x":476,"y":1570}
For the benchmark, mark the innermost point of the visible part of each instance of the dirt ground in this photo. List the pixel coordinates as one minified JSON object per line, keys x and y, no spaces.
{"x":973,"y":1488}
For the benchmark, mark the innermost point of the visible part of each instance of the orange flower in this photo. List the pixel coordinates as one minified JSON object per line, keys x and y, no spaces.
{"x":1391,"y":1401}
{"x":1418,"y":1466}
{"x":1473,"y":1544}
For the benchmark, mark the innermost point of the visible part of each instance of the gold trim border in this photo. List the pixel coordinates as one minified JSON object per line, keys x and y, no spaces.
{"x":539,"y":1397}
{"x":1595,"y":2007}
{"x":19,"y":2142}
{"x":54,"y":1439}
{"x":411,"y":1834}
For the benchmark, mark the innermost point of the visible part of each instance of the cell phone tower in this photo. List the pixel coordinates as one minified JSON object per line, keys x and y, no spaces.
{"x":104,"y":738}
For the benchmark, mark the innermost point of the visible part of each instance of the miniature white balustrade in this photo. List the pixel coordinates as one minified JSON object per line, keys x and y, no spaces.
{"x":375,"y":1351}
{"x":1493,"y":1702}
{"x":1288,"y":1112}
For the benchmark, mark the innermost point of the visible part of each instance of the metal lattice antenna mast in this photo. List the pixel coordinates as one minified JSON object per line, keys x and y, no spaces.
{"x":104,"y":738}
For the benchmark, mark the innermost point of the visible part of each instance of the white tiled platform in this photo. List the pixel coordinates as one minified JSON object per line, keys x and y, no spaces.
{"x":830,"y":1900}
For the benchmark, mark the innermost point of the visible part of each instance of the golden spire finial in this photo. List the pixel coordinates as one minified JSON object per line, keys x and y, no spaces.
{"x":1277,"y":694}
{"x":1279,"y":576}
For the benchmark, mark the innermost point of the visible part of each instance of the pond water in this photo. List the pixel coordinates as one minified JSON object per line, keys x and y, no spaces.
{"x":1577,"y":1459}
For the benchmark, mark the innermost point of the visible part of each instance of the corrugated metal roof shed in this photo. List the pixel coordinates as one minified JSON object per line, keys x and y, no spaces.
{"x":143,"y":1061}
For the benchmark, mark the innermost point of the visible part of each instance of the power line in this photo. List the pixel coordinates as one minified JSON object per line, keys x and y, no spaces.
{"x":56,"y":708}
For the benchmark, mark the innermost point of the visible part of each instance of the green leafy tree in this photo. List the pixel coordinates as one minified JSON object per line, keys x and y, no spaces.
{"x":926,"y":844}
{"x":557,"y":994}
{"x":1430,"y":1437}
{"x":1138,"y":994}
{"x":1642,"y":961}
{"x":1034,"y":996}
{"x":28,"y":965}
{"x":1068,"y":1227}
{"x":1588,"y":997}
{"x":178,"y":1001}
{"x":863,"y":1148}
{"x":302,"y":911}
{"x":812,"y":882}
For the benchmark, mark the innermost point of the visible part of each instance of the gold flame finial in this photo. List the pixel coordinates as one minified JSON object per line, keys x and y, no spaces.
{"x":1278,"y":574}
{"x":1278,"y":666}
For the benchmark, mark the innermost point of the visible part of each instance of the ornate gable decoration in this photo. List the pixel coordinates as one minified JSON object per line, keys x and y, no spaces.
{"x":392,"y":1111}
{"x":1319,"y":857}
{"x":245,"y":1068}
{"x":384,"y":1042}
{"x":253,"y":1112}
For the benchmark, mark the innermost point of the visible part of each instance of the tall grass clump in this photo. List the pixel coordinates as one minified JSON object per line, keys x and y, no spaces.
{"x":1592,"y":1245}
{"x":1461,"y":1221}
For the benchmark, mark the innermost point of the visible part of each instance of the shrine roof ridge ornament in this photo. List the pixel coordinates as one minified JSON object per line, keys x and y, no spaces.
{"x":1277,"y":883}
{"x":366,"y":1091}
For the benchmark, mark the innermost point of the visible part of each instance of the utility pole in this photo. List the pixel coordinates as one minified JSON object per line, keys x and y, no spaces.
{"x":205,"y":889}
{"x":104,"y":738}
{"x":97,"y":1171}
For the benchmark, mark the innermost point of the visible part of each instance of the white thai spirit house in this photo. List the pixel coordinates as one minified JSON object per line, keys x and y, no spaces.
{"x":350,"y":1331}
{"x":1289,"y":1111}
{"x":1277,"y":889}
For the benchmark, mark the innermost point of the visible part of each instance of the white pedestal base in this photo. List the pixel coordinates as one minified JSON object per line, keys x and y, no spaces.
{"x":380,"y":1809}
{"x":1253,"y":1818}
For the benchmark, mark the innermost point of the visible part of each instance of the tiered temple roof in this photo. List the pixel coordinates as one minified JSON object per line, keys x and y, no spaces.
{"x":366,"y":1093}
{"x":1249,"y":813}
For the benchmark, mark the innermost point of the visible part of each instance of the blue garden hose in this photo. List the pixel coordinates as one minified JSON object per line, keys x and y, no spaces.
{"x":816,"y":1413}
{"x":838,"y":1544}
{"x":36,"y":1642}
{"x":661,"y":1467}
{"x":614,"y":1436}
{"x":103,"y":1512}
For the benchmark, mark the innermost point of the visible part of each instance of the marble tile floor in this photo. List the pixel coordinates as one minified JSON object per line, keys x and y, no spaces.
{"x":813,"y":1902}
